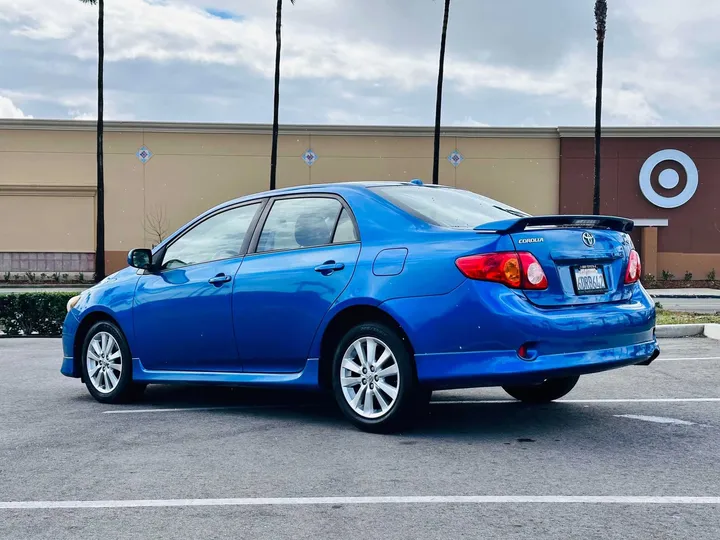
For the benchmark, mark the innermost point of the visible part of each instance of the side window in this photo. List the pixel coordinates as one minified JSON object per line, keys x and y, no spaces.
{"x":299,"y":223}
{"x":345,"y":231}
{"x":216,"y":238}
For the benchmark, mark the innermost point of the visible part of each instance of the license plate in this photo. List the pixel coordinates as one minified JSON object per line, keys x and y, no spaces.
{"x":589,"y":279}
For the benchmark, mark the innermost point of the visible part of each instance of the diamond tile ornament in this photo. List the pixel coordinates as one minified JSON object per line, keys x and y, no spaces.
{"x":144,"y":154}
{"x":309,"y":157}
{"x":456,"y":158}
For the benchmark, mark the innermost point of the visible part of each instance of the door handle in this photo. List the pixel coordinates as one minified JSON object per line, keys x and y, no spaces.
{"x":219,"y":279}
{"x":329,"y":267}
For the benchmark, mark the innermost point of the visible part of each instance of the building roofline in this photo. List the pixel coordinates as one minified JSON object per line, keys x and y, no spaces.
{"x":635,"y":132}
{"x":372,"y":131}
{"x":287,"y":129}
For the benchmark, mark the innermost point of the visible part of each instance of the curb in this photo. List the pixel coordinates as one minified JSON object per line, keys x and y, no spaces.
{"x":709,"y":330}
{"x":680,"y":296}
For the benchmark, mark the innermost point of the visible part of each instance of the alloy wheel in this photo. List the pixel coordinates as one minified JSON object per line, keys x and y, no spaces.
{"x":369,"y":377}
{"x":104,"y":362}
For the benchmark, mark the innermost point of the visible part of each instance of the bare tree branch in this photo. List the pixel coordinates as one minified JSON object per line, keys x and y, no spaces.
{"x":156,"y":226}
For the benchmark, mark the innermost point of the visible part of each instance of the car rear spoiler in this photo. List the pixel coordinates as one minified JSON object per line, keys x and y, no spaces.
{"x":511,"y":226}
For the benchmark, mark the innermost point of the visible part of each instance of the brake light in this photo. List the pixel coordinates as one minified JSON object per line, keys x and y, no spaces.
{"x":634,"y":268}
{"x":516,"y":270}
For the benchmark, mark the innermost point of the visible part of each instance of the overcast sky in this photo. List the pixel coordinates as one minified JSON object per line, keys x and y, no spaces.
{"x":509,"y":62}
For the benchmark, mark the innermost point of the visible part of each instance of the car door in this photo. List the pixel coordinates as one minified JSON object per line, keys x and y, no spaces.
{"x":183,"y":312}
{"x":303,"y":257}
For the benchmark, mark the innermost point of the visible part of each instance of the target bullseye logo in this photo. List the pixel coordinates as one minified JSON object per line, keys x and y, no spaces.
{"x":669,"y":178}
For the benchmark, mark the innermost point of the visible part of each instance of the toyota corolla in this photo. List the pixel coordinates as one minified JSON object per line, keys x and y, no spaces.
{"x":377,"y":292}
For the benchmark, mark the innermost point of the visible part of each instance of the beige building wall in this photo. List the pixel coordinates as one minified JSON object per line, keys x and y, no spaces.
{"x":47,"y":173}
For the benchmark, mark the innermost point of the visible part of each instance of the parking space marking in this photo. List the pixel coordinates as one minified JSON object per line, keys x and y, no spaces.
{"x":440,"y":402}
{"x":671,"y":359}
{"x":305,"y":501}
{"x":655,"y":419}
{"x":620,"y":400}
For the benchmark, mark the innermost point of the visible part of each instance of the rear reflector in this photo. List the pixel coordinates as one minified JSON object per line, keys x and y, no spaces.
{"x":516,"y":270}
{"x":634,"y":268}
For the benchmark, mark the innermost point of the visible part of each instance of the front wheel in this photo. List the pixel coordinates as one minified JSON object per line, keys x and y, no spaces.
{"x":545,"y":392}
{"x":107,"y":365}
{"x":373,"y":379}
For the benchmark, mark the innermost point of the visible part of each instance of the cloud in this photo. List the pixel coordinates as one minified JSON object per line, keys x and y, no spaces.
{"x":77,"y":115}
{"x":9,"y":110}
{"x":165,"y":58}
{"x":468,"y":121}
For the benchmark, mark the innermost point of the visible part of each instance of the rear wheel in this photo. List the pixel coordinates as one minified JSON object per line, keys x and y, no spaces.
{"x":374,"y":382}
{"x":545,"y":392}
{"x":107,"y":365}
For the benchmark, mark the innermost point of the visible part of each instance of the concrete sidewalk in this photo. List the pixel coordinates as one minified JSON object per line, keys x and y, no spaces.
{"x":684,"y":293}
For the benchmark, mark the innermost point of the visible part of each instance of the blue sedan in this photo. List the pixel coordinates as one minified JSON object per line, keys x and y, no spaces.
{"x":378,"y":292}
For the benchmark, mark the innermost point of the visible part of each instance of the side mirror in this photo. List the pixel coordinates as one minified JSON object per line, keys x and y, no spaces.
{"x":140,"y":258}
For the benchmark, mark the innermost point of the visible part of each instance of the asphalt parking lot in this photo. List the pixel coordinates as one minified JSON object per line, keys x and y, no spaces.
{"x":633,"y":453}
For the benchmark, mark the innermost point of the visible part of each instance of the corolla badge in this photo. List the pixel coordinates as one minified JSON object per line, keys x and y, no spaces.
{"x":530,"y":240}
{"x":588,"y":239}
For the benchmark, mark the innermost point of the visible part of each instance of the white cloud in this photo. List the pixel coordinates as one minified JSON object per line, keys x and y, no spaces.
{"x":468,"y":121}
{"x":77,"y":115}
{"x":9,"y":110}
{"x":663,"y":70}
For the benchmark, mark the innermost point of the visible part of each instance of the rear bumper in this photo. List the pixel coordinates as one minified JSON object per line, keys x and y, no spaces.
{"x":498,"y":368}
{"x":470,"y":337}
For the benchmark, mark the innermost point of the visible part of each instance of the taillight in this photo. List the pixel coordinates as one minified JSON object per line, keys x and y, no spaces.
{"x":516,"y":270}
{"x":634,"y":268}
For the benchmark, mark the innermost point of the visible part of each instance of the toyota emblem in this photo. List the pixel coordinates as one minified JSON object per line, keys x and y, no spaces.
{"x":588,"y":239}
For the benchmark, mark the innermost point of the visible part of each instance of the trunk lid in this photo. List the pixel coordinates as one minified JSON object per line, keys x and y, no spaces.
{"x":584,"y":257}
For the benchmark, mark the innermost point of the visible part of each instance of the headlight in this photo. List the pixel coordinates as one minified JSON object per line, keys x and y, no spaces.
{"x":72,"y":302}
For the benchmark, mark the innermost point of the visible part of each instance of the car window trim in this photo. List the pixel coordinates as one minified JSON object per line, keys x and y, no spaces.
{"x":243,"y":247}
{"x":252,"y":250}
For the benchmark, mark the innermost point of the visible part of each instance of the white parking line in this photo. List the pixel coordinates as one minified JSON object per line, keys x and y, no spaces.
{"x":661,"y":359}
{"x":637,"y":400}
{"x":304,"y":501}
{"x":655,"y":419}
{"x":441,"y":402}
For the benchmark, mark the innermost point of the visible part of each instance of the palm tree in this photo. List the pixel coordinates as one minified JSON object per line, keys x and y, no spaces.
{"x":600,"y":24}
{"x":100,"y":223}
{"x":438,"y":104}
{"x":276,"y":104}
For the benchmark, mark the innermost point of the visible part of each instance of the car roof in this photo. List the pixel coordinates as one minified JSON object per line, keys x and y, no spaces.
{"x":337,"y":187}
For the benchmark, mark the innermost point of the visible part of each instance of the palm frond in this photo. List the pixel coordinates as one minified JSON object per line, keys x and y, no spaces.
{"x":601,"y":18}
{"x":93,"y":2}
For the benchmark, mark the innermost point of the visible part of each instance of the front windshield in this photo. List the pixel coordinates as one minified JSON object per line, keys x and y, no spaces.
{"x":447,"y":207}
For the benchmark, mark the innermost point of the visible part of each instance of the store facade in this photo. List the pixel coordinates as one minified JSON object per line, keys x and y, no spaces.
{"x":158,"y":176}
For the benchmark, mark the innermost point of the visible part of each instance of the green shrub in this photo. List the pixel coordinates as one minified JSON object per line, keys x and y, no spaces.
{"x":688,"y":276}
{"x":40,"y":314}
{"x":667,"y":275}
{"x":649,"y":280}
{"x":711,"y":275}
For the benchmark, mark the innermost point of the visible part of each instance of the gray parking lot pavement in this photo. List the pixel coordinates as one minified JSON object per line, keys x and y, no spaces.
{"x":632,"y":437}
{"x":691,"y":305}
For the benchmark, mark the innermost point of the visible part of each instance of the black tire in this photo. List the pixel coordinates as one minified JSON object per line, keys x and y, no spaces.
{"x":411,"y":400}
{"x":125,"y":390}
{"x":545,"y":392}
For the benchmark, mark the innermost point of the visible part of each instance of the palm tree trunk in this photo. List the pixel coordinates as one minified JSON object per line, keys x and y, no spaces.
{"x":600,"y":20}
{"x":100,"y":225}
{"x":438,"y":104}
{"x":598,"y":126}
{"x":276,"y":104}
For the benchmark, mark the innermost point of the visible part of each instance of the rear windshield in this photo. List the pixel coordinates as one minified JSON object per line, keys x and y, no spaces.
{"x":447,"y":207}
